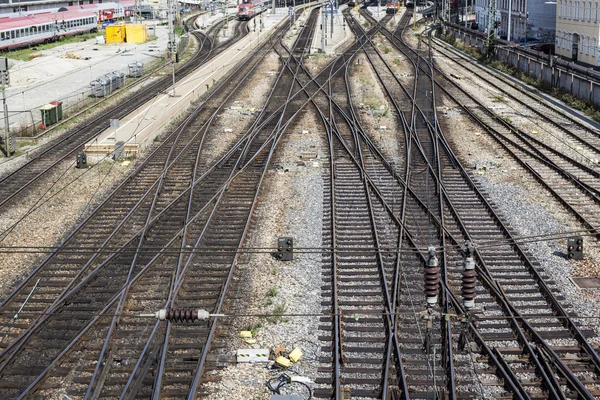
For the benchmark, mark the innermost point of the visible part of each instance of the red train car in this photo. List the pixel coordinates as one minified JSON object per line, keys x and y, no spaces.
{"x":248,"y":10}
{"x":34,"y":29}
{"x":391,"y":8}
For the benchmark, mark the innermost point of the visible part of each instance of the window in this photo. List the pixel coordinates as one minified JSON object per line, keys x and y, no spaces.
{"x":576,"y":10}
{"x":596,"y":13}
{"x":587,"y":45}
{"x":594,"y":43}
{"x":590,"y":12}
{"x":581,"y":44}
{"x":560,"y":4}
{"x":570,"y":9}
{"x":558,"y":39}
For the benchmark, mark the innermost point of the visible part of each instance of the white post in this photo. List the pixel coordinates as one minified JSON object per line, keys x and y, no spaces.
{"x":508,"y":35}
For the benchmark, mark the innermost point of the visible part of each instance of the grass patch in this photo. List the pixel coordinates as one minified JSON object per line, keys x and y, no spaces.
{"x":272,"y":292}
{"x":253,"y":328}
{"x":31,"y":53}
{"x":498,"y":98}
{"x":278,"y":311}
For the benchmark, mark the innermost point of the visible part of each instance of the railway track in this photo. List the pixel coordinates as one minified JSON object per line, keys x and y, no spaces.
{"x":51,"y":155}
{"x":498,"y":264}
{"x":149,"y":267}
{"x":567,"y":178}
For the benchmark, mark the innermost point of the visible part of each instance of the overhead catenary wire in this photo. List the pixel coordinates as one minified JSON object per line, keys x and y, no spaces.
{"x":356,"y":315}
{"x":297,"y":249}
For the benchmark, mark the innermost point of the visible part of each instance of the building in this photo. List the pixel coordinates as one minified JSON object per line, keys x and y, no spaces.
{"x":577,"y":31}
{"x":481,"y":14}
{"x":530,"y":19}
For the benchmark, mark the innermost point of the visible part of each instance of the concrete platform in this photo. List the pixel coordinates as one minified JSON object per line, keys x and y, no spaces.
{"x":331,"y":42}
{"x":138,"y":129}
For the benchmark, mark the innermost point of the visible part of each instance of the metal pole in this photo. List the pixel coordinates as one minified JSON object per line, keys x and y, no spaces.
{"x":5,"y":115}
{"x":331,"y":33}
{"x":323,"y":22}
{"x":508,"y":35}
{"x":172,"y":48}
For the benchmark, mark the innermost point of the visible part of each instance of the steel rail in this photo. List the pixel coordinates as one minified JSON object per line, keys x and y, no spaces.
{"x":71,"y":292}
{"x":124,"y":247}
{"x":223,"y":188}
{"x":557,"y":308}
{"x":180,"y":277}
{"x":329,"y":125}
{"x":545,"y":290}
{"x":473,"y":66}
{"x":440,"y":193}
{"x":116,"y":296}
{"x":80,"y":140}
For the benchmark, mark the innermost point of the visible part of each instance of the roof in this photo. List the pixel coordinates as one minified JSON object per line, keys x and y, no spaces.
{"x":12,"y":23}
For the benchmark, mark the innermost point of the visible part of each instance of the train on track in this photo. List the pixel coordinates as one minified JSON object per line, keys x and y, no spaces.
{"x":410,"y":4}
{"x":105,"y":11}
{"x":27,"y":31}
{"x":391,"y":8}
{"x":249,"y":10}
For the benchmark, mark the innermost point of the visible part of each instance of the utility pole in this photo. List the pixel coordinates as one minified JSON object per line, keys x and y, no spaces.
{"x":4,"y":77}
{"x":322,"y":30}
{"x":446,"y":11}
{"x":508,"y":35}
{"x":172,"y":44}
{"x":491,"y":27}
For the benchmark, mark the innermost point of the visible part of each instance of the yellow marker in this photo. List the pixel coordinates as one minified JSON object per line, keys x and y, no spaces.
{"x":284,"y":362}
{"x":245,"y":334}
{"x":296,"y":354}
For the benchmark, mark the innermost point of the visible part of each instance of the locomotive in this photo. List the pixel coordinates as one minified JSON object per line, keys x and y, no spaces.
{"x":249,"y":10}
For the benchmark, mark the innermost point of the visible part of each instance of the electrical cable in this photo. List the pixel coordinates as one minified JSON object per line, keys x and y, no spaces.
{"x":301,"y":250}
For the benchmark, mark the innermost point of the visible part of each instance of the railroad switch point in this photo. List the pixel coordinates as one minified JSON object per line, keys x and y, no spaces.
{"x":285,"y":249}
{"x":81,"y":161}
{"x":575,"y":248}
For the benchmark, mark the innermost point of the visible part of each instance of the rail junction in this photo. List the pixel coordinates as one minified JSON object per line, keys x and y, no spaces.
{"x":426,"y":291}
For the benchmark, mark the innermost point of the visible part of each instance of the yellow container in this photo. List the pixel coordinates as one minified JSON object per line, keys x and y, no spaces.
{"x":136,"y":33}
{"x":282,"y":361}
{"x":115,"y":34}
{"x":296,"y":354}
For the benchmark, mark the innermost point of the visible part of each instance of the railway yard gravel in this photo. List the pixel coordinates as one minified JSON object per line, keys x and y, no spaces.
{"x":290,"y":205}
{"x":49,"y":212}
{"x":527,"y":207}
{"x":281,"y":302}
